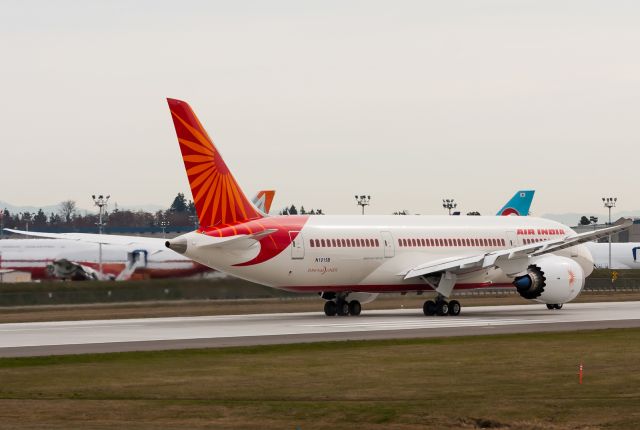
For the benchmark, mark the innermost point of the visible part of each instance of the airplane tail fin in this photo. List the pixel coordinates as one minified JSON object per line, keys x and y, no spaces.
{"x":216,"y":194}
{"x":519,"y":204}
{"x":262,"y":201}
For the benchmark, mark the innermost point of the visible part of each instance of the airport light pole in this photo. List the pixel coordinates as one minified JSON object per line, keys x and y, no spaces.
{"x":609,"y":202}
{"x":100,"y":201}
{"x":449,"y":204}
{"x":163,"y":225}
{"x":363,"y":201}
{"x":2,"y":223}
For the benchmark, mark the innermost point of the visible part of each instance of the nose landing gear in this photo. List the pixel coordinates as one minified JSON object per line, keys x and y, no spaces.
{"x":554,"y":306}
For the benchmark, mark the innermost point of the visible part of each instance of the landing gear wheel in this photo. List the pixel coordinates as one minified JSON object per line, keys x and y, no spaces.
{"x":355,"y":308}
{"x":454,"y":308}
{"x":559,"y":306}
{"x":554,"y":306}
{"x":343,"y":308}
{"x":429,"y":308}
{"x":442,"y":308}
{"x":330,"y":308}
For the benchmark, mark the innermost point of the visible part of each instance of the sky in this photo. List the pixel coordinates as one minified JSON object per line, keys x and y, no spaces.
{"x":407,"y":101}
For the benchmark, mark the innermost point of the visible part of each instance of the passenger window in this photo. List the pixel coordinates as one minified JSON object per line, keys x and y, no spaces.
{"x":312,"y":243}
{"x":377,"y":243}
{"x":322,"y":242}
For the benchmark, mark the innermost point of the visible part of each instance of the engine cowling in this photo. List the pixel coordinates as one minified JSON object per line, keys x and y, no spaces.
{"x":552,"y":280}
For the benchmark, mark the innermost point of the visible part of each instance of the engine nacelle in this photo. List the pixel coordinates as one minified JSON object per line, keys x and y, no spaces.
{"x":552,"y":280}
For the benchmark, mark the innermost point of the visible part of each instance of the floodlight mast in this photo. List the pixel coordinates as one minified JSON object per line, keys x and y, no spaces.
{"x":363,"y":201}
{"x":449,"y":204}
{"x":609,"y":202}
{"x":100,"y":201}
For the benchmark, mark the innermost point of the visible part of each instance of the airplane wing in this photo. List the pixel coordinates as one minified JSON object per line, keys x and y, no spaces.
{"x":512,"y":260}
{"x":105,"y":239}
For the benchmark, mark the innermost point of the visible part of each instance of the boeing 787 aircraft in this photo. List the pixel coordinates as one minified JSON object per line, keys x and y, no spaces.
{"x":348,"y":260}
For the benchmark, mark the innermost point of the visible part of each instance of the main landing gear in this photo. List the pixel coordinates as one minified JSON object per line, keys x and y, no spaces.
{"x":342,"y":307}
{"x":441,"y":307}
{"x":552,"y":307}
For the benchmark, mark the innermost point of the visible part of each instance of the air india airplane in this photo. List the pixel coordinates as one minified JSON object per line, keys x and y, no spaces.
{"x":348,"y":260}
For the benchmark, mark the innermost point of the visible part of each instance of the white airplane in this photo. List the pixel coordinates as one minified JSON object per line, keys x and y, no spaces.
{"x":623,"y":255}
{"x":75,"y":255}
{"x":75,"y":259}
{"x":348,"y":260}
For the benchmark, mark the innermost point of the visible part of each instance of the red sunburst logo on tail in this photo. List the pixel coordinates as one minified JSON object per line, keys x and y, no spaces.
{"x":216,"y":194}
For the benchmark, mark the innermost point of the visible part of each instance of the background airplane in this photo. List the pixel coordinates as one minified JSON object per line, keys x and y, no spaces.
{"x":72,"y":258}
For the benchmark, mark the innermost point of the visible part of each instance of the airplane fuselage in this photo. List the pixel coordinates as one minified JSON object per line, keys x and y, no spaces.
{"x":370,"y":253}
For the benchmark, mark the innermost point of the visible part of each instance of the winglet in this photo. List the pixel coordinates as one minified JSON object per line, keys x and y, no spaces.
{"x":216,"y":194}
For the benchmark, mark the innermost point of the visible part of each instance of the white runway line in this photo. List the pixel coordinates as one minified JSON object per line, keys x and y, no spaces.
{"x":232,"y":326}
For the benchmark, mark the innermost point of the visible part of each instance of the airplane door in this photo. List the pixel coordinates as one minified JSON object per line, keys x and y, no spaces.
{"x":297,"y":245}
{"x":387,"y":242}
{"x":512,"y":239}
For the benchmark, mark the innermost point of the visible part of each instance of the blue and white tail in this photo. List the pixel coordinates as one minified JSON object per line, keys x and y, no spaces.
{"x":519,"y":204}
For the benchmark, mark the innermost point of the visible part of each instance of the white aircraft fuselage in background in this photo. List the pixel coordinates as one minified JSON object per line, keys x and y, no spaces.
{"x":73,"y":259}
{"x":623,"y":255}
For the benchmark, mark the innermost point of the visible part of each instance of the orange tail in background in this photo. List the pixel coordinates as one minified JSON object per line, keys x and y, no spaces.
{"x":216,"y":194}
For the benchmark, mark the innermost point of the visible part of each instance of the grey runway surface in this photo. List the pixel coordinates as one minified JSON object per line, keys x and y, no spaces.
{"x":76,"y":337}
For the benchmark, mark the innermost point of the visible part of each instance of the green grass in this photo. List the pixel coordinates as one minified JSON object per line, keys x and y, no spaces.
{"x":506,"y":381}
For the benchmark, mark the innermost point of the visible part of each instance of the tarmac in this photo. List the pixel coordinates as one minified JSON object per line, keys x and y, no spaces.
{"x":147,"y":334}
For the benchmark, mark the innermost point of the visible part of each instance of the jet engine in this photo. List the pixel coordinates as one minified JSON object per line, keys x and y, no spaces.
{"x":551,"y":280}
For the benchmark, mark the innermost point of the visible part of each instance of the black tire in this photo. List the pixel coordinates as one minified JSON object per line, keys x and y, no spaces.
{"x":429,"y":308}
{"x":343,"y":308}
{"x":443,"y":308}
{"x":454,"y":308}
{"x":551,"y":307}
{"x":330,"y":308}
{"x":558,"y":306}
{"x":355,"y":308}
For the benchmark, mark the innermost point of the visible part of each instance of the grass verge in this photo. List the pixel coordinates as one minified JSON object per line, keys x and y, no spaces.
{"x":526,"y":381}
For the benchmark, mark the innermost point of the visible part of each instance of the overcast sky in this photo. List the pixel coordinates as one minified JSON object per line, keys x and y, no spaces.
{"x":407,"y":101}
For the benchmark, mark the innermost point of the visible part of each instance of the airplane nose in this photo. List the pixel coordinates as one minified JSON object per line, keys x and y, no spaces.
{"x":179,"y":244}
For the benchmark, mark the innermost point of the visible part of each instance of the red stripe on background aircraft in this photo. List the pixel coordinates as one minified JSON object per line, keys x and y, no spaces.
{"x":348,"y":260}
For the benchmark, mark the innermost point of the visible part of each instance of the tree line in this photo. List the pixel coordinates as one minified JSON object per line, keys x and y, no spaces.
{"x":181,"y":212}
